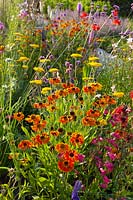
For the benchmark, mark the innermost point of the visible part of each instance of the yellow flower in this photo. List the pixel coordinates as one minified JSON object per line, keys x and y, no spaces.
{"x":87,"y":78}
{"x":76,"y":55}
{"x":102,"y":122}
{"x":34,"y":46}
{"x":96,"y":85}
{"x":45,"y":90}
{"x":93,"y":58}
{"x":25,"y":66}
{"x":118,"y":94}
{"x":37,"y":82}
{"x":38,"y":69}
{"x":80,"y":49}
{"x":95,"y":64}
{"x":22,"y":59}
{"x":18,"y":34}
{"x":53,"y":70}
{"x":44,"y":60}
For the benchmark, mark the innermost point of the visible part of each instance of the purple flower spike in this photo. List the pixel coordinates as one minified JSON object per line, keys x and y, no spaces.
{"x":76,"y":188}
{"x":79,"y":7}
{"x":1,"y":26}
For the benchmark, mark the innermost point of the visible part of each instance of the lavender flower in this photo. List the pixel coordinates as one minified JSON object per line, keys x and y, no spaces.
{"x":79,"y":8}
{"x":1,"y":26}
{"x":76,"y":188}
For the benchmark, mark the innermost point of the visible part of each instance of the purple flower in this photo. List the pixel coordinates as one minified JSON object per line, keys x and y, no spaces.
{"x":79,"y":7}
{"x":81,"y":157}
{"x":1,"y":26}
{"x":76,"y":188}
{"x":116,"y":7}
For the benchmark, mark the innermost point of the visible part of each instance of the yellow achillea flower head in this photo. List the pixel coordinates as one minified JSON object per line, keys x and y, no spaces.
{"x":118,"y":94}
{"x":76,"y":55}
{"x":37,"y":82}
{"x":34,"y":46}
{"x":38,"y":69}
{"x":80,"y":49}
{"x":22,"y":59}
{"x":93,"y":58}
{"x":45,"y":90}
{"x":53,"y":70}
{"x":95,"y":64}
{"x":44,"y":60}
{"x":25,"y":66}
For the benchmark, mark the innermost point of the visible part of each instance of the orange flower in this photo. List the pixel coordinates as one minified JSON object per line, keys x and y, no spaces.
{"x":54,"y":133}
{"x":25,"y":144}
{"x":73,"y":90}
{"x":95,"y":27}
{"x":39,"y":126}
{"x":33,"y":118}
{"x":19,"y":116}
{"x":65,"y":165}
{"x":89,"y":89}
{"x":64,"y":119}
{"x":39,"y":105}
{"x":61,"y":93}
{"x":93,"y":113}
{"x":88,"y":121}
{"x":52,"y":97}
{"x":54,"y":81}
{"x":40,"y":139}
{"x":117,"y":22}
{"x":71,"y":155}
{"x":77,"y":139}
{"x":67,"y":85}
{"x":62,"y":147}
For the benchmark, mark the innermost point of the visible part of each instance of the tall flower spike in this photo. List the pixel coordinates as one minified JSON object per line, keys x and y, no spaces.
{"x":76,"y":188}
{"x":79,"y":8}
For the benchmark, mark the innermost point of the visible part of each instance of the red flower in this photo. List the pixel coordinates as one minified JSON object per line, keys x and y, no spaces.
{"x":65,"y":165}
{"x":83,"y":15}
{"x":131,"y":94}
{"x":95,"y":27}
{"x":117,"y":22}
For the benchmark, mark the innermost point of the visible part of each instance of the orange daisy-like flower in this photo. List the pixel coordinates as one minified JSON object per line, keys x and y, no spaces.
{"x":65,"y":165}
{"x":25,"y":144}
{"x":67,"y":85}
{"x":73,"y":90}
{"x":54,"y":81}
{"x":39,"y":105}
{"x":52,"y":97}
{"x":64,"y":119}
{"x":40,"y":139}
{"x":89,"y":121}
{"x":33,"y":118}
{"x":77,"y":139}
{"x":93,"y":113}
{"x":61,"y":93}
{"x":19,"y":116}
{"x":39,"y":126}
{"x":71,"y":155}
{"x":62,"y":147}
{"x":54,"y":133}
{"x":89,"y":90}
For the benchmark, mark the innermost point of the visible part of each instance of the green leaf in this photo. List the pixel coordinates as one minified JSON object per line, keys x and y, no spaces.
{"x":42,"y":179}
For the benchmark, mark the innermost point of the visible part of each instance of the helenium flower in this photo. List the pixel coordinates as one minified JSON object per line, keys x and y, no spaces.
{"x":76,"y":188}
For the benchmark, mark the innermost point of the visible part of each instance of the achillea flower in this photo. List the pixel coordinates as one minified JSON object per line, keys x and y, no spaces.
{"x":34,"y":46}
{"x":37,"y":82}
{"x":93,"y":58}
{"x":19,"y":116}
{"x":77,"y":139}
{"x":45,"y":60}
{"x":45,"y":90}
{"x":95,"y":64}
{"x":25,"y":144}
{"x":23,"y":59}
{"x":62,"y":147}
{"x":76,"y":55}
{"x":38,"y":69}
{"x":52,"y":70}
{"x":25,"y":66}
{"x":76,"y":188}
{"x":65,"y":165}
{"x":118,"y":94}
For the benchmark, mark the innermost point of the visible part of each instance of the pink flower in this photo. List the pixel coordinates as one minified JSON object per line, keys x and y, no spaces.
{"x":109,"y":166}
